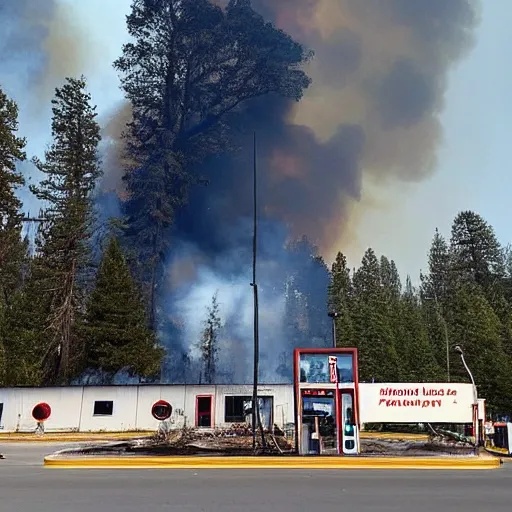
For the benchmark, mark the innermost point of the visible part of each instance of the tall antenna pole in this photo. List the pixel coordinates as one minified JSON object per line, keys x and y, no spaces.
{"x":255,"y":406}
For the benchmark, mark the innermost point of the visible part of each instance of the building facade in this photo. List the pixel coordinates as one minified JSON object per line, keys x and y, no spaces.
{"x":128,"y":408}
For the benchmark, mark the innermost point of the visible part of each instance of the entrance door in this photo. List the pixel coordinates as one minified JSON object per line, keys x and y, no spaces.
{"x":204,"y":411}
{"x":318,"y":422}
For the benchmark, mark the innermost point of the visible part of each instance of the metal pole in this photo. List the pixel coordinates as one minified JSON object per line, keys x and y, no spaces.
{"x":468,"y":370}
{"x":255,"y":406}
{"x":333,"y":315}
{"x":475,"y":394}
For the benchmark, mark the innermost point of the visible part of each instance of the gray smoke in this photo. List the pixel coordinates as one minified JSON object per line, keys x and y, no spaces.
{"x":41,"y":42}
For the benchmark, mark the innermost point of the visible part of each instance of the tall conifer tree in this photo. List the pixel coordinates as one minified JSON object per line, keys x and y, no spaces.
{"x":12,"y":247}
{"x":71,"y":168}
{"x":115,"y":328}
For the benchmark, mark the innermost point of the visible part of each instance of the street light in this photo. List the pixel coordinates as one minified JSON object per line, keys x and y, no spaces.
{"x":458,"y":349}
{"x":334,"y":315}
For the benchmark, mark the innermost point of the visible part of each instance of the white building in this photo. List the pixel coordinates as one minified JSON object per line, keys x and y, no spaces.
{"x":128,"y":408}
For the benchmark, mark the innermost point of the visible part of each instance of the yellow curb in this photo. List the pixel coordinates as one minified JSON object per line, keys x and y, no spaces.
{"x":500,"y":452}
{"x":71,"y":438}
{"x":273,"y":463}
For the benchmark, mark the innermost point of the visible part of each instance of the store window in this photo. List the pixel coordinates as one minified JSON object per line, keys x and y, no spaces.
{"x":314,"y":368}
{"x":103,"y":408}
{"x":238,"y":409}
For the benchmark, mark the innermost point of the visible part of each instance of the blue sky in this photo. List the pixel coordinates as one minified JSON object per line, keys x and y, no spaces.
{"x":473,"y":159}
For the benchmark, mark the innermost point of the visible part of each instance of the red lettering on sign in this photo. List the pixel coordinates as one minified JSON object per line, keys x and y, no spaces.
{"x":413,"y":392}
{"x":410,"y":403}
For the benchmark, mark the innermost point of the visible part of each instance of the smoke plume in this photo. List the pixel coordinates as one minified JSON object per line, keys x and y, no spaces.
{"x":380,"y":65}
{"x":379,"y":75}
{"x":41,"y":42}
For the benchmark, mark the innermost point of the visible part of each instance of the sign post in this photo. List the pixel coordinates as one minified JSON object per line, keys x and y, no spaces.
{"x":333,"y":374}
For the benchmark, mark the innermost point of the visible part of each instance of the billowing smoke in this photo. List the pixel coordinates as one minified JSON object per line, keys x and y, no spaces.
{"x":41,"y":42}
{"x":379,"y":76}
{"x":380,"y":65}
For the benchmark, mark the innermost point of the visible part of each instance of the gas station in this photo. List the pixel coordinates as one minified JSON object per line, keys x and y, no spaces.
{"x":326,"y":401}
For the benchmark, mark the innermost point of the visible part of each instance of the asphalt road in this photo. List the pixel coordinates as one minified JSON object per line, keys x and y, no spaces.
{"x":25,"y":485}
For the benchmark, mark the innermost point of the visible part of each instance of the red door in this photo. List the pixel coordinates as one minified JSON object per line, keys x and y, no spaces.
{"x":204,"y":411}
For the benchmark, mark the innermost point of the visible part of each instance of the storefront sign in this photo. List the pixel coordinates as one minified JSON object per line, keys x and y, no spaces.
{"x":416,"y":403}
{"x":333,"y":369}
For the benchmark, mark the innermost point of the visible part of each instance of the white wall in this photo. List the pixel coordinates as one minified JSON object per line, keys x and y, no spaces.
{"x":124,"y":409}
{"x":73,"y":407}
{"x":19,"y":402}
{"x":148,"y":395}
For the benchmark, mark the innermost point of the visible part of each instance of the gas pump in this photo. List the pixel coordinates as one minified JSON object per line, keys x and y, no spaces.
{"x":348,"y":427}
{"x":326,"y":401}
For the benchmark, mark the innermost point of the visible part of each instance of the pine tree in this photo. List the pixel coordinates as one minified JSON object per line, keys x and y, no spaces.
{"x":190,"y":65}
{"x":477,"y":329}
{"x":72,"y":168}
{"x":209,"y":342}
{"x":477,"y":254}
{"x":115,"y":325}
{"x":340,"y":301}
{"x":418,"y":362}
{"x":377,"y":351}
{"x":12,"y":247}
{"x":390,"y":279}
{"x":28,"y":351}
{"x":437,"y":288}
{"x":436,"y":285}
{"x":435,"y":321}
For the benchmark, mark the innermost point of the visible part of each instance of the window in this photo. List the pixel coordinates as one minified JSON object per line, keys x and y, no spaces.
{"x":103,"y":408}
{"x":1,"y":411}
{"x":314,"y":368}
{"x":238,"y":409}
{"x":234,"y":409}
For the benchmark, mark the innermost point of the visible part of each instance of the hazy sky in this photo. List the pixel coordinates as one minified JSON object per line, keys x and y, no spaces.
{"x":473,"y":159}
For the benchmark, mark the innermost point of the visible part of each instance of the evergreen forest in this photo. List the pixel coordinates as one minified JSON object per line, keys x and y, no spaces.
{"x":87,"y":298}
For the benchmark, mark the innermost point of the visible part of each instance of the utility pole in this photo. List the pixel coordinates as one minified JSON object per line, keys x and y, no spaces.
{"x":333,"y":315}
{"x":256,"y":420}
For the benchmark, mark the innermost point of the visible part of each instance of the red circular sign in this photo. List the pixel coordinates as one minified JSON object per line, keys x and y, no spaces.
{"x":41,"y":412}
{"x":161,"y":410}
